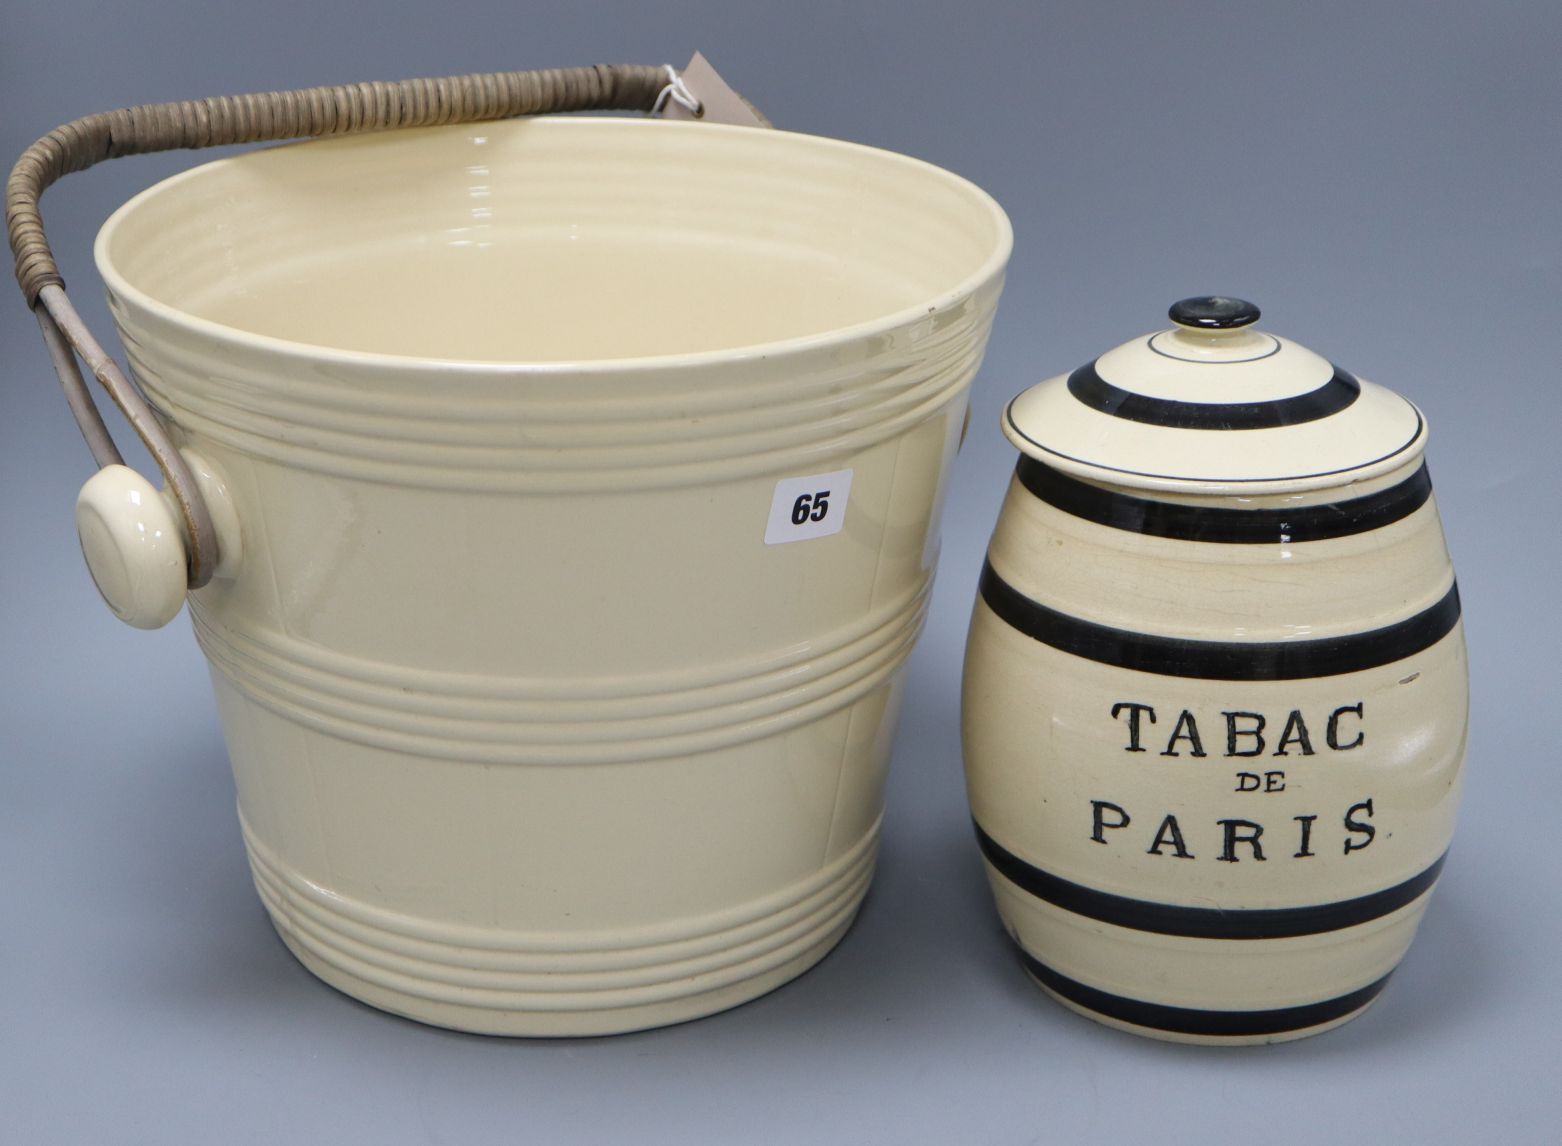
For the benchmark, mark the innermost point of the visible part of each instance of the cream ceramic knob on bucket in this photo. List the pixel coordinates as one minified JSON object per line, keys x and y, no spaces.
{"x":1215,"y":691}
{"x":572,"y":489}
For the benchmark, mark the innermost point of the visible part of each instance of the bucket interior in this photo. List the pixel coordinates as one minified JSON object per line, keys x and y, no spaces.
{"x":554,"y":240}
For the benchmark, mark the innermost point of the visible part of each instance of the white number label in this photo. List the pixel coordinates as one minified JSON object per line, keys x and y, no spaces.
{"x":806,"y":507}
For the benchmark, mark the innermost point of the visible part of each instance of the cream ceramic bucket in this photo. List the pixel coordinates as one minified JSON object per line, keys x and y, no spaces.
{"x":577,"y":485}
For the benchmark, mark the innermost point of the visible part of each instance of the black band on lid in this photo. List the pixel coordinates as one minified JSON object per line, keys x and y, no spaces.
{"x":1336,"y":394}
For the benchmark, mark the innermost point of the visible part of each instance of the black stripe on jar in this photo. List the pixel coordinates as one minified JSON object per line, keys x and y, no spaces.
{"x":1204,"y":922}
{"x":1220,"y":660}
{"x":1191,"y":1021}
{"x":1222,"y":524}
{"x":1094,"y":391}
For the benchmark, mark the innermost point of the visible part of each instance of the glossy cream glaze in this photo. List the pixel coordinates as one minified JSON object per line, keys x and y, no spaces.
{"x":533,"y":732}
{"x":546,"y":241}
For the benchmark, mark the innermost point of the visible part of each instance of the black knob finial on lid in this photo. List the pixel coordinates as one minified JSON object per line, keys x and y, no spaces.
{"x":1213,"y":312}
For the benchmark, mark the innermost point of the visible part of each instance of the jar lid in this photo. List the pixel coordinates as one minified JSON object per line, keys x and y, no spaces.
{"x":1214,"y":405}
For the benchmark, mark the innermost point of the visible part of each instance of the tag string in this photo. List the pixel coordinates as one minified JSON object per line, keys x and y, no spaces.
{"x":678,"y":92}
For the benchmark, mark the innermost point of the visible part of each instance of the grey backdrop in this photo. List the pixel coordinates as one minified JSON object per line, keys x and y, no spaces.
{"x":1381,"y":178}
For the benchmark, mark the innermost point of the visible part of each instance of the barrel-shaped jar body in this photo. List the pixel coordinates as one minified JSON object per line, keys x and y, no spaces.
{"x":1213,"y":745}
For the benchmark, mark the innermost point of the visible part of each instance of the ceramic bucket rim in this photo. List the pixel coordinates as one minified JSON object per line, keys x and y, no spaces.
{"x":980,"y":201}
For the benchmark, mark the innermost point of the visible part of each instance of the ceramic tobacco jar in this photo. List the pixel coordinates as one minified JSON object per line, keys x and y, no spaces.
{"x":1216,"y":692}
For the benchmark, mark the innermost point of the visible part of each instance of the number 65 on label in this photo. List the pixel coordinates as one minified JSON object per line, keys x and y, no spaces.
{"x":808,"y":507}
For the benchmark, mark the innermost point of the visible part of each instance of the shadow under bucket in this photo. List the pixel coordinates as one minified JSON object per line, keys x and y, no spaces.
{"x":577,"y":482}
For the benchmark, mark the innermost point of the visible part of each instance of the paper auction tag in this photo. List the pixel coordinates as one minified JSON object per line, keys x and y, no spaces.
{"x":803,"y":508}
{"x":718,"y":102}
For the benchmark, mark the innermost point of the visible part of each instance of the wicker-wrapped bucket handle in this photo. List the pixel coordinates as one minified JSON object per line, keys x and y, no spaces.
{"x":256,"y":118}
